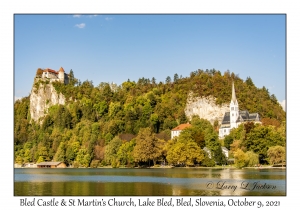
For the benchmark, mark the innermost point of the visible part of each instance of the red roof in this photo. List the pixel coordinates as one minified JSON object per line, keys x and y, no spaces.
{"x":62,"y":69}
{"x":50,"y":70}
{"x":181,"y":127}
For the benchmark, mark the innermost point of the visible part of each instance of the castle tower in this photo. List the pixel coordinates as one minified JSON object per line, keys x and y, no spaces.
{"x":234,"y":109}
{"x":61,"y":75}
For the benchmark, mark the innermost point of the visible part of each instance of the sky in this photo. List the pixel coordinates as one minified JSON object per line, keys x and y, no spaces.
{"x":115,"y":48}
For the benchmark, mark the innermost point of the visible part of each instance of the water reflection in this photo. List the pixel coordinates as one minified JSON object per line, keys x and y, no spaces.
{"x":145,"y":182}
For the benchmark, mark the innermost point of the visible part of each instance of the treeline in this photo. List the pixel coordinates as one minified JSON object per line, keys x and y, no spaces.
{"x":253,"y":144}
{"x":108,"y":124}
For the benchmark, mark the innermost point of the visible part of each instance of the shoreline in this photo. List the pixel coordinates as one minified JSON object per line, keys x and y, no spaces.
{"x":168,"y":167}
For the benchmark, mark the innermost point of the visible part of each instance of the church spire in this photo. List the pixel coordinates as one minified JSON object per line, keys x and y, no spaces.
{"x":233,"y":99}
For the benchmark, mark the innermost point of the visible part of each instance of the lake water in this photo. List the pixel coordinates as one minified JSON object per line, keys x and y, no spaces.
{"x":149,"y":182}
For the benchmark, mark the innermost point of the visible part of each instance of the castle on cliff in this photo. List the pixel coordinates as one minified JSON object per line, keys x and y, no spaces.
{"x":53,"y":75}
{"x":235,"y":117}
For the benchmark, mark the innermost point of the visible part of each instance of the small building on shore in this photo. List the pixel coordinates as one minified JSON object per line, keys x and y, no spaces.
{"x":177,"y":130}
{"x":51,"y":165}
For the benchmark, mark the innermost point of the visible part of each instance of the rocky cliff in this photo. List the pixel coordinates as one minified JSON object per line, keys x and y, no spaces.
{"x":206,"y":108}
{"x":43,"y":95}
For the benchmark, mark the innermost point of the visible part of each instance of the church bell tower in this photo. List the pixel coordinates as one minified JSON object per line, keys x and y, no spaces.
{"x":234,"y":109}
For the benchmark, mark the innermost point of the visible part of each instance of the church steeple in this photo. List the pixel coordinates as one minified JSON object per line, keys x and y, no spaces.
{"x":234,"y":109}
{"x":233,"y":97}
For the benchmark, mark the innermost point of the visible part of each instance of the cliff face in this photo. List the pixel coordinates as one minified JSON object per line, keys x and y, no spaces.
{"x":42,"y":97}
{"x":206,"y":108}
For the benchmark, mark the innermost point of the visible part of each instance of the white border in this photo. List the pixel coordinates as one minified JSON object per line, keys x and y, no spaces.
{"x":8,"y":8}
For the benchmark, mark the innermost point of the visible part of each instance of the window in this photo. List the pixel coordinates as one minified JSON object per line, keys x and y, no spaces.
{"x":232,"y":108}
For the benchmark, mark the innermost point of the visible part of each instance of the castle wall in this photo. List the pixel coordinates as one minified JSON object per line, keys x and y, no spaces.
{"x":61,"y":76}
{"x":49,"y":75}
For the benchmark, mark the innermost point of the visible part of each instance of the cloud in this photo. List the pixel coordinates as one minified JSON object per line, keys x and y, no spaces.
{"x":81,"y":25}
{"x":108,"y":18}
{"x":79,"y":16}
{"x":282,"y":103}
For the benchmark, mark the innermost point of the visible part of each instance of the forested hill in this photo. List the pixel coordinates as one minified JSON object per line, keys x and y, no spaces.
{"x":94,"y":114}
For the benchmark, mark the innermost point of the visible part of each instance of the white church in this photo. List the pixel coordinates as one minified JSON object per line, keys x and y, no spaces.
{"x":234,"y":117}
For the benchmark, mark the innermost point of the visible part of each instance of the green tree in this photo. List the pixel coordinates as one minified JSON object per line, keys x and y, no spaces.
{"x":114,"y":108}
{"x":108,"y":137}
{"x":249,"y":81}
{"x":168,"y":80}
{"x":252,"y":159}
{"x":212,"y":142}
{"x":240,"y":159}
{"x":276,"y":154}
{"x":261,"y":138}
{"x":238,"y":133}
{"x":187,"y":153}
{"x":42,"y":154}
{"x":62,"y":117}
{"x":19,"y":160}
{"x":207,"y":162}
{"x":28,"y":156}
{"x":111,"y":150}
{"x":228,"y":140}
{"x":83,"y":158}
{"x":101,"y":108}
{"x":40,"y":159}
{"x":72,"y":151}
{"x":155,"y":122}
{"x":195,"y":134}
{"x":60,"y":155}
{"x":146,"y":148}
{"x":175,"y":78}
{"x":219,"y":156}
{"x":72,"y":80}
{"x":125,"y":153}
{"x":153,"y":81}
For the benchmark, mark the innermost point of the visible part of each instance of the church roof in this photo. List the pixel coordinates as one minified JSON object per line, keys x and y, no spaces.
{"x":62,"y":69}
{"x":181,"y":127}
{"x":226,"y":118}
{"x":254,"y":117}
{"x":240,"y":119}
{"x":244,"y":116}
